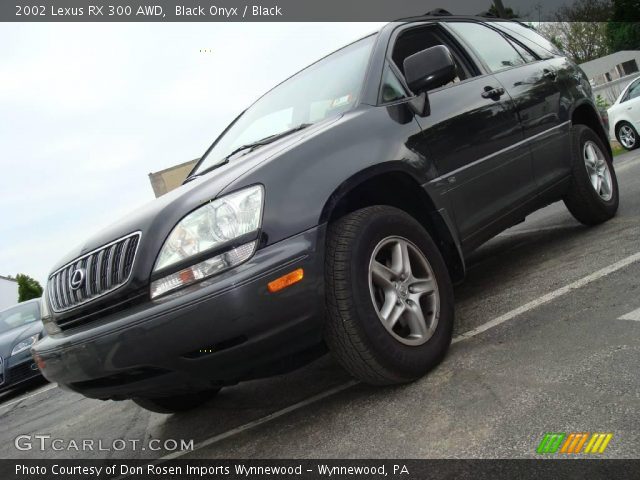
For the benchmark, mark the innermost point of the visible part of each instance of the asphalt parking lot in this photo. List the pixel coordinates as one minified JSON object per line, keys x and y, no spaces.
{"x":547,"y":339}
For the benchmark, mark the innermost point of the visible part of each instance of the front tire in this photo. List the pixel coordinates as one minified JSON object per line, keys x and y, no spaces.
{"x":389,"y":297}
{"x":627,"y":136}
{"x":176,"y":403}
{"x":593,"y":194}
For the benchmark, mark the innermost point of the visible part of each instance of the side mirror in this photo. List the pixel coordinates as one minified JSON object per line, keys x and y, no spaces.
{"x":429,"y":69}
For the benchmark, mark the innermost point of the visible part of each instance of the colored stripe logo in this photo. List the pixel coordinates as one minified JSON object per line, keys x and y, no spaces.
{"x":574,"y":443}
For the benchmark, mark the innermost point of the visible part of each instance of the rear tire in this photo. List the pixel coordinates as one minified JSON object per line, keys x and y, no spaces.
{"x":176,"y":403}
{"x":627,"y":136}
{"x":593,"y":195}
{"x":416,"y":332}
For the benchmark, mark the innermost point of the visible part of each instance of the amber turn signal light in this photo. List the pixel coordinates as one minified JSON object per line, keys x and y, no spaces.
{"x":39,"y":361}
{"x":286,"y":280}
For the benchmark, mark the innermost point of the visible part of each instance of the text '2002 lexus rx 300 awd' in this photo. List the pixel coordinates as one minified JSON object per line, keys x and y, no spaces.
{"x":336,"y":211}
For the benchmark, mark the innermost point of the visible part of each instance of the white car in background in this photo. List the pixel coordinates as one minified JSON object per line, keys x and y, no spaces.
{"x":624,"y":116}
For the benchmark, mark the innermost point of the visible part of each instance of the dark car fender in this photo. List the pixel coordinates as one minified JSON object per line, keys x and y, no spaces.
{"x":583,"y":110}
{"x":326,"y":176}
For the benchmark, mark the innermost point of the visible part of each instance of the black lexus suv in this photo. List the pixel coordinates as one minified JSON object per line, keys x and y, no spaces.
{"x":336,"y":211}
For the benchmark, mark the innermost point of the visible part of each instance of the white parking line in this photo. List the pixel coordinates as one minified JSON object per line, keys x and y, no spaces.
{"x":635,"y":315}
{"x":268,"y":418}
{"x":625,"y":262}
{"x":32,"y":394}
{"x":626,"y":164}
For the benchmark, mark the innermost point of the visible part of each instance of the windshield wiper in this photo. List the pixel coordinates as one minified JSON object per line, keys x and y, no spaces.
{"x":206,"y":170}
{"x":249,"y":147}
{"x":266,"y":140}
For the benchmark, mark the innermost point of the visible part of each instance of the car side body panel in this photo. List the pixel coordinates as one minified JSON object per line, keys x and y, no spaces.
{"x":477,"y":148}
{"x":540,"y":95}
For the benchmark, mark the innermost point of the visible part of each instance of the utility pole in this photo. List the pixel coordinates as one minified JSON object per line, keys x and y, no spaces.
{"x":500,"y":8}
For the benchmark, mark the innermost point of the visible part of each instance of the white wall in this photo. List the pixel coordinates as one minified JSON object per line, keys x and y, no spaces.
{"x":612,"y":90}
{"x":8,"y":293}
{"x":595,"y":69}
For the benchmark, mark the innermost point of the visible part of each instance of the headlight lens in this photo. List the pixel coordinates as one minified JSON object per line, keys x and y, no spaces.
{"x":217,"y":222}
{"x":25,"y":344}
{"x":203,"y":269}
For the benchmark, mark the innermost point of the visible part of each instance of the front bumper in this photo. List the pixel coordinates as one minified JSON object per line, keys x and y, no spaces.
{"x":220,"y":331}
{"x":16,"y":370}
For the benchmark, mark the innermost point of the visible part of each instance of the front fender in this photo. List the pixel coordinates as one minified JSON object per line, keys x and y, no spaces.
{"x":301,"y":182}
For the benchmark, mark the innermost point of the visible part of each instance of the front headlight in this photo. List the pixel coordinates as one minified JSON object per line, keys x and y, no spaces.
{"x":204,"y":230}
{"x":25,"y":344}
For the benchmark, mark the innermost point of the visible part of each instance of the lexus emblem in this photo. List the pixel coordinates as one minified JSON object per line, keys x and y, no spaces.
{"x":77,"y":279}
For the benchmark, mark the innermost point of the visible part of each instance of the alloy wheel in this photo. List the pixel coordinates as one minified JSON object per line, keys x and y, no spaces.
{"x":598,"y":170}
{"x":627,"y":136}
{"x":404,"y":291}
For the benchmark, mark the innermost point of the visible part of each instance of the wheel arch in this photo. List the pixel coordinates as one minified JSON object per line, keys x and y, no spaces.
{"x":585,"y":113}
{"x":396,"y":186}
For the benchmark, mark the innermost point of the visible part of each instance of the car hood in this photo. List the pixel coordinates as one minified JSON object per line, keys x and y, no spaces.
{"x":156,"y":219}
{"x":10,"y":338}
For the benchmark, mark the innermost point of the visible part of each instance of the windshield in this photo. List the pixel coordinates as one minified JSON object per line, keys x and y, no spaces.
{"x":18,"y":316}
{"x":327,"y":88}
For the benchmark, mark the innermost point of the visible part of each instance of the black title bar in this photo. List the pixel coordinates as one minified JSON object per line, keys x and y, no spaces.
{"x":266,"y":10}
{"x":320,"y":469}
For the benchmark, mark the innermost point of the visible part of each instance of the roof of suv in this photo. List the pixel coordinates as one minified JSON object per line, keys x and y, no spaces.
{"x":431,"y":17}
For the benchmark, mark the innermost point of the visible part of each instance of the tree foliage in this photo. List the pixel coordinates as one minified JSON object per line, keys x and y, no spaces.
{"x":580,"y":29}
{"x":497,"y":9}
{"x":623,"y":31}
{"x":602,"y":103}
{"x":28,"y":288}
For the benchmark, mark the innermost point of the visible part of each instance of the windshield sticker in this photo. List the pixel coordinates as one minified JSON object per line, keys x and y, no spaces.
{"x":338,"y":102}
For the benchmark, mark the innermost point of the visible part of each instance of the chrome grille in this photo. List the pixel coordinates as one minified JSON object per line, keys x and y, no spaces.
{"x":105,"y":269}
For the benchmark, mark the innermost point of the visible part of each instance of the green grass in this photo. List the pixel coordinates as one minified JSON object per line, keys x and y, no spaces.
{"x":617,"y":149}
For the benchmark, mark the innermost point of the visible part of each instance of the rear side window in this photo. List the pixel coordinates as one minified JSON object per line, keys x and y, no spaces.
{"x":530,"y":38}
{"x":495,"y":50}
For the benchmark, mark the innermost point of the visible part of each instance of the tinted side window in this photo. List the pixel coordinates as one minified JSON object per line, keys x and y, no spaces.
{"x":492,"y":47}
{"x":415,"y":40}
{"x":524,"y":53}
{"x":530,"y":38}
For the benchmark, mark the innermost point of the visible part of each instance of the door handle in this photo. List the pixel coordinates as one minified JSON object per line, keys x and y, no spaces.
{"x":493,"y":93}
{"x":550,"y":74}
